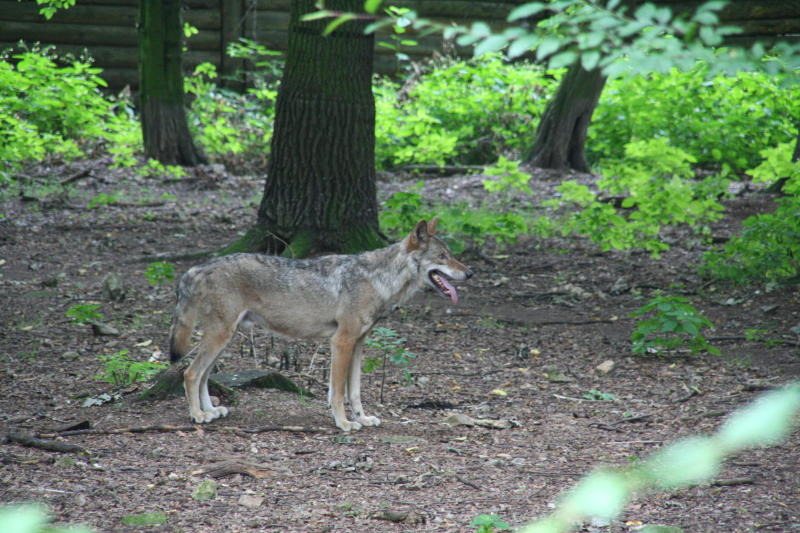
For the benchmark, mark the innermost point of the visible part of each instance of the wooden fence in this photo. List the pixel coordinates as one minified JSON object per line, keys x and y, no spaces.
{"x":107,"y":28}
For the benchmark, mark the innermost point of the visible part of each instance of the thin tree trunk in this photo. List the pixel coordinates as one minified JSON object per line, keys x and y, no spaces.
{"x":320,"y":193}
{"x":164,"y":128}
{"x":561,"y":134}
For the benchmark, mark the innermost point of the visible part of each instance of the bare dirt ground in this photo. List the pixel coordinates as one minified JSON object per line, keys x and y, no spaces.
{"x":521,"y":348}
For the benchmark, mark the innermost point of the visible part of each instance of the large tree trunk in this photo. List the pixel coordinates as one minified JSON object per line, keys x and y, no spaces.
{"x":561,"y":134}
{"x":320,"y":194}
{"x":164,"y":127}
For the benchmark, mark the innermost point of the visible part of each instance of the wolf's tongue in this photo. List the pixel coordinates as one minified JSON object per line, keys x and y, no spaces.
{"x":450,"y":289}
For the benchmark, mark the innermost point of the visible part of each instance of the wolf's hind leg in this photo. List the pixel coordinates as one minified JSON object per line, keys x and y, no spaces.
{"x":354,"y":388}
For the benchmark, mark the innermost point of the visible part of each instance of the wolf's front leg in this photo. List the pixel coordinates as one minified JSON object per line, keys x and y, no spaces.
{"x":212,"y":413}
{"x":342,"y":346}
{"x":195,"y":382}
{"x":354,"y":388}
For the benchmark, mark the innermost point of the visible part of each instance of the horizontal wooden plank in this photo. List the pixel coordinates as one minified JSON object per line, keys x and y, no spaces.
{"x":86,"y":35}
{"x":102,"y":15}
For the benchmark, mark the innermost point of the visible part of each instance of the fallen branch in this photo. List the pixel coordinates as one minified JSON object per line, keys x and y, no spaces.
{"x":75,"y":177}
{"x":43,"y":444}
{"x":444,"y":170}
{"x":166,"y":428}
{"x":235,"y":466}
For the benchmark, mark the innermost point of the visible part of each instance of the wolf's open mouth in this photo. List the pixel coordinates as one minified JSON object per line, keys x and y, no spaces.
{"x":445,"y":288}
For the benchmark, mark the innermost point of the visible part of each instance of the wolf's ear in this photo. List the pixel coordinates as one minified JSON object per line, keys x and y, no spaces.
{"x":432,"y":225}
{"x":418,"y":237}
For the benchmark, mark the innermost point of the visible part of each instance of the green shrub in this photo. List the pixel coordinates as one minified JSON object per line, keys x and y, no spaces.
{"x":721,"y":122}
{"x":52,"y":106}
{"x":768,"y":248}
{"x":465,"y":112}
{"x":234,"y":128}
{"x":669,"y":322}
{"x":653,"y":186}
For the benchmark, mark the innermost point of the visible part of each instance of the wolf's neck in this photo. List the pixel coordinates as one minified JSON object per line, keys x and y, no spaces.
{"x":399,"y":277}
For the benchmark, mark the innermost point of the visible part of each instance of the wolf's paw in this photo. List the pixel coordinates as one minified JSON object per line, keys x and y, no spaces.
{"x":347,"y":426}
{"x":204,"y":417}
{"x":219,"y":412}
{"x":369,"y":420}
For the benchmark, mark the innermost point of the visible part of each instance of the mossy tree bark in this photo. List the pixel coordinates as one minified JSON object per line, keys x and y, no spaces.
{"x":561,"y":134}
{"x":164,"y":127}
{"x":319,"y":195}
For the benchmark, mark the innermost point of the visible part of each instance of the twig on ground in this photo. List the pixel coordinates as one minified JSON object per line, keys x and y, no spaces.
{"x":76,"y":176}
{"x":43,"y":444}
{"x":165,"y":428}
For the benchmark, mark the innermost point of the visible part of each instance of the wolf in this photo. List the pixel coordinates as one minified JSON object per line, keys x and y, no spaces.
{"x":336,"y":297}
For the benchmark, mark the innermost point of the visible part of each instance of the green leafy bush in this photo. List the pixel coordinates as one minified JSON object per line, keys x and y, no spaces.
{"x":235,"y":128}
{"x":669,"y":322}
{"x":721,"y":121}
{"x":653,"y":186}
{"x":768,"y":248}
{"x":461,"y":225}
{"x":509,"y":176}
{"x":466,"y":112}
{"x":52,"y":106}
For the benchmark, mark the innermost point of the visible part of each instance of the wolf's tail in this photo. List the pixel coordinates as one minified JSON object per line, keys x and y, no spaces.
{"x":180,"y":331}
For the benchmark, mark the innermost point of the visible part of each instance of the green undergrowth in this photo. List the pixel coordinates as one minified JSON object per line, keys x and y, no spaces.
{"x":52,"y":107}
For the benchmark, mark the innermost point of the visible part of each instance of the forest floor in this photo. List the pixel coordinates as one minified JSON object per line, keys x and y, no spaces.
{"x":520,"y":352}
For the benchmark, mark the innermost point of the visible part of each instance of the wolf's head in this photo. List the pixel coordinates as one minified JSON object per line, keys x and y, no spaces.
{"x":436,"y":263}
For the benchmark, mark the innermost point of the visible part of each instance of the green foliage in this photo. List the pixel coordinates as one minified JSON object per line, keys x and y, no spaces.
{"x":600,"y":396}
{"x":154,"y":168}
{"x":31,"y":519}
{"x":402,"y":210}
{"x":768,"y":248}
{"x":233,"y":128}
{"x":605,"y":492}
{"x":159,"y":273}
{"x":509,"y":177}
{"x":489,"y":523}
{"x":606,"y":35}
{"x":654,"y":182}
{"x":671,"y":322}
{"x":465,"y":112}
{"x":84,"y":313}
{"x":758,"y":107}
{"x":52,"y":107}
{"x":392,"y":346}
{"x":460,"y":224}
{"x":122,"y":371}
{"x":104,"y":199}
{"x":48,"y":8}
{"x":145,"y":519}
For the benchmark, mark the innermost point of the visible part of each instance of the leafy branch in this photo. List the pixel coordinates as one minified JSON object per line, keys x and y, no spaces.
{"x":597,"y":33}
{"x":605,"y":492}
